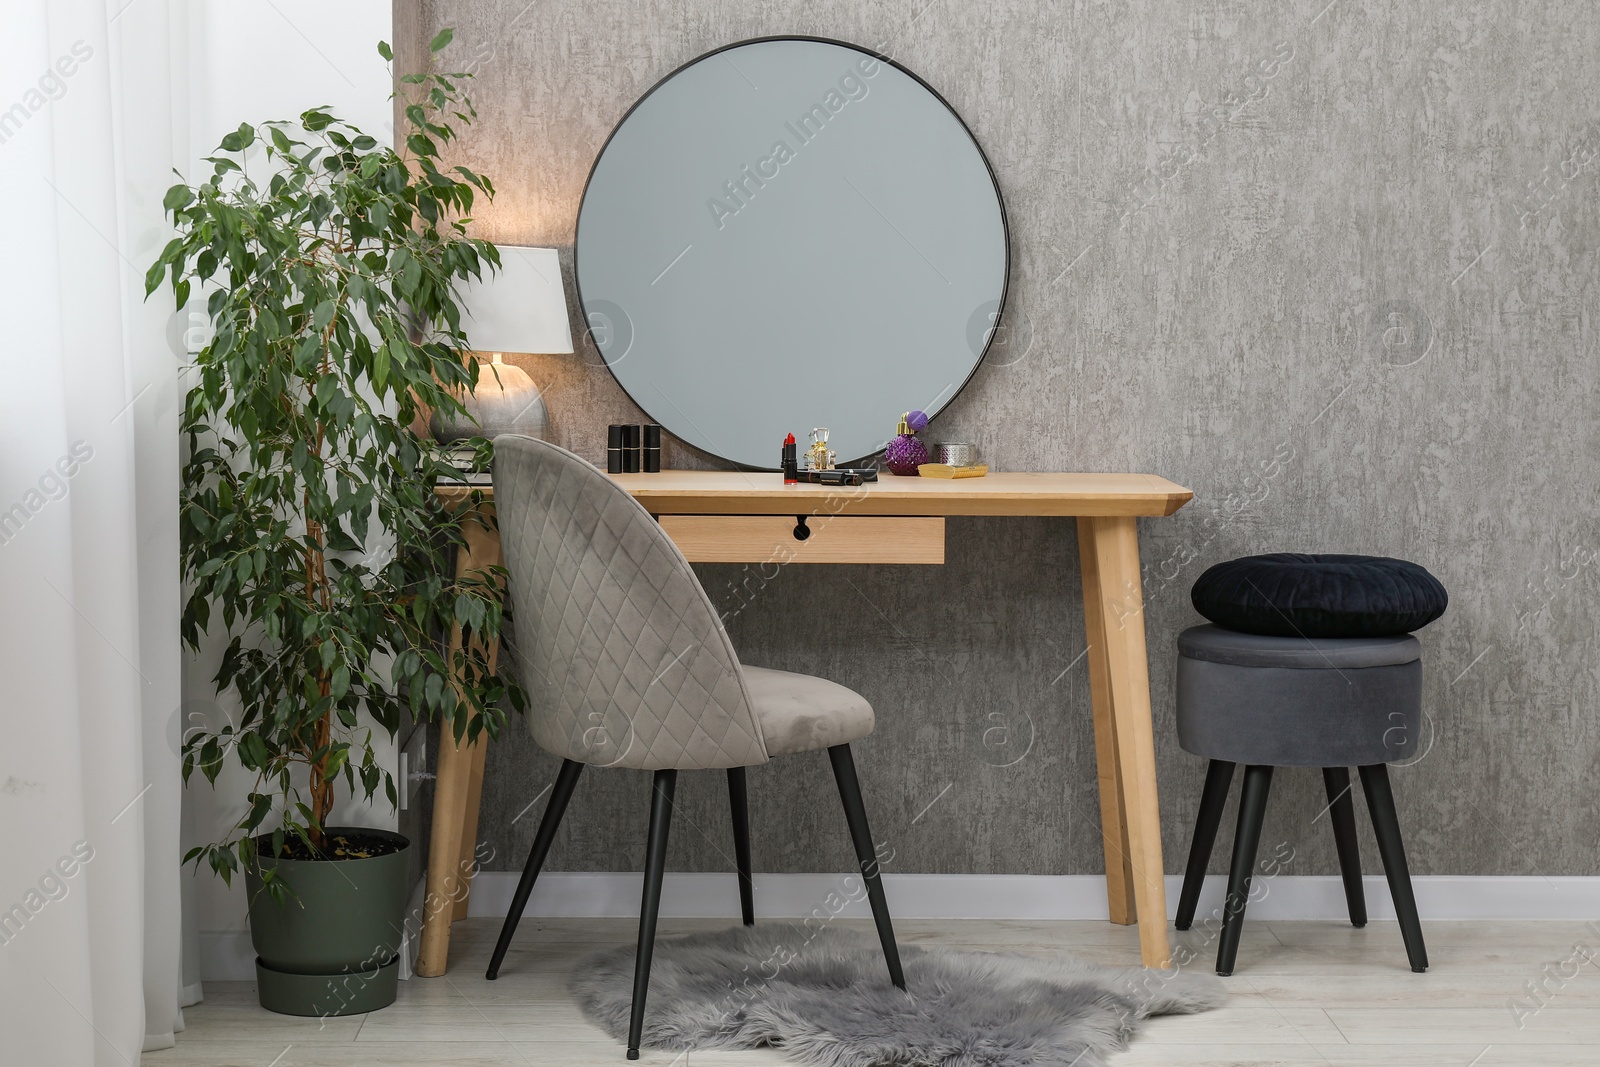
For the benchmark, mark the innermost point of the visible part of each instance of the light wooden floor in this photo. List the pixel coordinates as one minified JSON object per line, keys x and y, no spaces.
{"x":1304,"y":993}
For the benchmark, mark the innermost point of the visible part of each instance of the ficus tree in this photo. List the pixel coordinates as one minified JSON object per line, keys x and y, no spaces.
{"x":310,"y":532}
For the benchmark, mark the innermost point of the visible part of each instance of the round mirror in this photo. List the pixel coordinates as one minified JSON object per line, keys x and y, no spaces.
{"x":790,"y":233}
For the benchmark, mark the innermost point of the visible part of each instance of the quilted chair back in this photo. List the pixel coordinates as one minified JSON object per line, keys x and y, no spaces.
{"x":623,"y":657}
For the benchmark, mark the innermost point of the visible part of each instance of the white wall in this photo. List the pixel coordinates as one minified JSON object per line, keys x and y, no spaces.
{"x":251,"y":62}
{"x":257,"y":61}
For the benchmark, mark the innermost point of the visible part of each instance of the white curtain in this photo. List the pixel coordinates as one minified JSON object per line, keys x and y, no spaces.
{"x":90,"y":945}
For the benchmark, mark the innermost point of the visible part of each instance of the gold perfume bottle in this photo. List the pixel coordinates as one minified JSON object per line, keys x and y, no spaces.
{"x":819,"y":457}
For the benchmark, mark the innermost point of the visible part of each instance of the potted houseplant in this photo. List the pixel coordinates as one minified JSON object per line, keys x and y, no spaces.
{"x":310,"y":532}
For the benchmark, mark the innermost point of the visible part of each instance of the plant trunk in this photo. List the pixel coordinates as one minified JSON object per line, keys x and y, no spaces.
{"x":321,"y":787}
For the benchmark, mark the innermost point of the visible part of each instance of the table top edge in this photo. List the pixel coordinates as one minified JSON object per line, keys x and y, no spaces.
{"x":1009,"y":493}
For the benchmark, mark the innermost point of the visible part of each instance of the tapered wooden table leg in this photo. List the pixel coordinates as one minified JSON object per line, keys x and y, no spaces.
{"x":468,"y":860}
{"x":443,"y":887}
{"x":1117,"y":589}
{"x":452,"y":846}
{"x":1113,"y":819}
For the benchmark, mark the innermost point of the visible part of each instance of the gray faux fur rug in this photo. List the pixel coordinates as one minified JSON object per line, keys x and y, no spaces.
{"x":824,"y":997}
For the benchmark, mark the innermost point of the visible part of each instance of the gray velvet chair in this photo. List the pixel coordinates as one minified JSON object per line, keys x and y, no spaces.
{"x":626,"y":664}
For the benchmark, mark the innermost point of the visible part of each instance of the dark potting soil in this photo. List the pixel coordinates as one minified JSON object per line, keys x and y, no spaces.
{"x":341,"y":846}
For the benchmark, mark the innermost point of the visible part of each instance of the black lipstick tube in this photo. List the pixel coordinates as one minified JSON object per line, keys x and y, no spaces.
{"x":650,"y":458}
{"x":630,"y":449}
{"x":614,"y":448}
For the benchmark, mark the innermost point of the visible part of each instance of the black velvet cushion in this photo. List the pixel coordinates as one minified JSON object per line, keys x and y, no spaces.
{"x":1293,"y":594}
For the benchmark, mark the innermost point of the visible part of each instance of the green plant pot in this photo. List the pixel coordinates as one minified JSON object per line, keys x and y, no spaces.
{"x":332,"y":948}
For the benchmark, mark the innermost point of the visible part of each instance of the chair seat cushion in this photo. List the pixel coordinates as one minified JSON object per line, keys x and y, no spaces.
{"x":800,"y":713}
{"x":1295,"y":594}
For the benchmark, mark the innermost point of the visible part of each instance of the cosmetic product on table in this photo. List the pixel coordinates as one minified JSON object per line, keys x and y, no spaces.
{"x":650,"y":453}
{"x":839,"y":476}
{"x":790,"y":461}
{"x":819,"y":457}
{"x":630,"y":449}
{"x":614,"y":448}
{"x":947,"y":470}
{"x":906,"y":452}
{"x":956,"y":453}
{"x":633,"y":448}
{"x":954,"y":459}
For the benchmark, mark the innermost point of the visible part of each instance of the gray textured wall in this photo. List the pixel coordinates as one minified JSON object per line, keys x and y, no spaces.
{"x":1354,"y":314}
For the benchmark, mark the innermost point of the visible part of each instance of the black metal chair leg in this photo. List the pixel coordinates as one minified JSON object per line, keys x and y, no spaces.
{"x":739,"y":801}
{"x":1342,"y":813}
{"x":1246,"y":839}
{"x":855,"y":813}
{"x":662,"y":789}
{"x":1386,"y":825}
{"x":1219,"y":775}
{"x":560,"y":793}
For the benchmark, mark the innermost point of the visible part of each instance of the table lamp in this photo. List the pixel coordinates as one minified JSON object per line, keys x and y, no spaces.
{"x":520,"y":308}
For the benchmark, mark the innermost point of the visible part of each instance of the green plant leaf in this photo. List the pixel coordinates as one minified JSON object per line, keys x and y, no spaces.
{"x":153,"y":276}
{"x":445,"y":36}
{"x":339,"y":683}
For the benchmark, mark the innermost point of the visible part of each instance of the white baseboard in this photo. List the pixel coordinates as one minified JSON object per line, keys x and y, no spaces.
{"x":411,"y":935}
{"x":226,"y":955}
{"x":1026,"y":896}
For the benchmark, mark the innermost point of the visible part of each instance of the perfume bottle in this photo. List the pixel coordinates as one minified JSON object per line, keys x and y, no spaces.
{"x":821,"y":457}
{"x":906,"y":453}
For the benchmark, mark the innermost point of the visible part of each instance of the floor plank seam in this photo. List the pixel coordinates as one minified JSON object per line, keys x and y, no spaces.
{"x":1336,"y":1027}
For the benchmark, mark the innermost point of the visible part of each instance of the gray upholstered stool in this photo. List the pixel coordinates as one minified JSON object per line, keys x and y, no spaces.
{"x":1271,"y":702}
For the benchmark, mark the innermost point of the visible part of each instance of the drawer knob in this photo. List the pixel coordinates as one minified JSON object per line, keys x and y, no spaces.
{"x":801,"y":530}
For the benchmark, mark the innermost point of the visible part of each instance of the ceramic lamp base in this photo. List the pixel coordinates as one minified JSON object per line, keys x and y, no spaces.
{"x":511,"y":404}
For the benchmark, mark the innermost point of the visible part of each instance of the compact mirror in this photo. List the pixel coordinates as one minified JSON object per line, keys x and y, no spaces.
{"x":788,"y":233}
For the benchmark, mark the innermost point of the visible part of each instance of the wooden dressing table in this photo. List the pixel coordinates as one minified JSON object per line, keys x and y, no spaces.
{"x":742,"y":517}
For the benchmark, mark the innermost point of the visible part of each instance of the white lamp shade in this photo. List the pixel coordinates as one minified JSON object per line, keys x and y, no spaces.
{"x":519,"y":308}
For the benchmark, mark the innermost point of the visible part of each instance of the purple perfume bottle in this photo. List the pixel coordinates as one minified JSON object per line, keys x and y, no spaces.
{"x":906,"y":453}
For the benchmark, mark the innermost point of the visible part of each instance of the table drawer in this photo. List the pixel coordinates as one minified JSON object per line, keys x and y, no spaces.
{"x":828,"y":539}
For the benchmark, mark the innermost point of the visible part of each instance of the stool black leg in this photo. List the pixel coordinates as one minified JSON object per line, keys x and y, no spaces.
{"x":739,"y":801}
{"x":553,"y":810}
{"x":1386,"y":825}
{"x":655,"y":869}
{"x":1246,"y":839}
{"x":1342,"y":813}
{"x":1219,"y":775}
{"x":855,"y":814}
